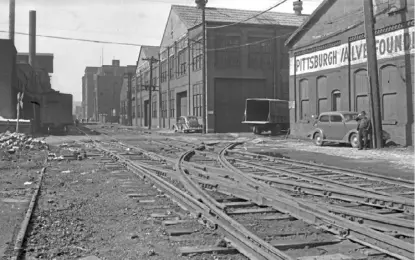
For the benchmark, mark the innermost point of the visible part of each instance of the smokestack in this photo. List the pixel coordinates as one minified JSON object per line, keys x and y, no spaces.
{"x":12,"y":8}
{"x":298,"y":7}
{"x":32,"y":38}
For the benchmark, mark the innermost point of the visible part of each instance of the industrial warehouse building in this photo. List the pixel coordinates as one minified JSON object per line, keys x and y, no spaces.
{"x":244,"y":60}
{"x":328,"y":65}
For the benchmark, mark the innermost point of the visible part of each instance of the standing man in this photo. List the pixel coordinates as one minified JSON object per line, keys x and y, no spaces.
{"x":363,"y":127}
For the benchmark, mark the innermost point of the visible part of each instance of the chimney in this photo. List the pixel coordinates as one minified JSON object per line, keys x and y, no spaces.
{"x":298,"y":7}
{"x":116,"y":63}
{"x":12,"y":9}
{"x":32,"y":38}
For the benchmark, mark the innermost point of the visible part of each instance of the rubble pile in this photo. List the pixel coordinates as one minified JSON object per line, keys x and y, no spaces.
{"x":12,"y":142}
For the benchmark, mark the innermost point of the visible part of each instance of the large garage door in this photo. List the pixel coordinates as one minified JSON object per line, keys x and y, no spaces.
{"x":230,"y":96}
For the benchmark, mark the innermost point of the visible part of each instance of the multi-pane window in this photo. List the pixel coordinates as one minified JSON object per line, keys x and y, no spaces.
{"x":228,"y":52}
{"x":163,"y":71}
{"x":164,"y":105}
{"x":259,"y":53}
{"x":154,"y":106}
{"x":322,"y":105}
{"x":197,"y":99}
{"x":171,"y":66}
{"x":181,"y":63}
{"x":197,"y":55}
{"x":171,"y":103}
{"x":304,"y":99}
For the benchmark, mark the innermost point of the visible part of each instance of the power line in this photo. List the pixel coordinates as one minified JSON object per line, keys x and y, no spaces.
{"x":80,"y":39}
{"x":249,"y":18}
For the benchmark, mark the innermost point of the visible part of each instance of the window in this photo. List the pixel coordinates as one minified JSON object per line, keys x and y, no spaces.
{"x":336,"y":100}
{"x":171,"y":103}
{"x":259,"y":53}
{"x":164,"y":105}
{"x":322,"y":94}
{"x":361,"y":87}
{"x":228,"y":53}
{"x":336,"y":118}
{"x":304,"y":99}
{"x":171,"y":66}
{"x":197,"y":99}
{"x":154,"y":106}
{"x":139,"y":111}
{"x":163,"y":71}
{"x":197,"y":55}
{"x":390,"y":82}
{"x":182,"y":64}
{"x":324,"y":118}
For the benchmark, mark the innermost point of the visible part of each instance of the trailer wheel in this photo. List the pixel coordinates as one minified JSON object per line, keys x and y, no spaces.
{"x":48,"y":130}
{"x":275,"y":130}
{"x":256,"y":130}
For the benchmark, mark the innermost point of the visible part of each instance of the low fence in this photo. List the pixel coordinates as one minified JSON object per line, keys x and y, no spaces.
{"x":10,"y":125}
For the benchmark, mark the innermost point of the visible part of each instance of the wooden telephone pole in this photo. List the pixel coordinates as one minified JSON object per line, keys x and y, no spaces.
{"x":150,"y":88}
{"x":372,"y":66}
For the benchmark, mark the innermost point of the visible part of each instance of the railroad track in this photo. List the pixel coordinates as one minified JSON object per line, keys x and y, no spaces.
{"x":383,"y":243}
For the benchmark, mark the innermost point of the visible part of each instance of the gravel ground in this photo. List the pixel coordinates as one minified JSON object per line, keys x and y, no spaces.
{"x":18,"y":179}
{"x":84,"y":210}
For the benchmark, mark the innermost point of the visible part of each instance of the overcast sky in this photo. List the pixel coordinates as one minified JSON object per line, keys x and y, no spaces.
{"x":132,"y":21}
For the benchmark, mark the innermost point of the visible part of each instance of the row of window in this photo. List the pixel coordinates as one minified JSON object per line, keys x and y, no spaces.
{"x":227,"y":55}
{"x":197,"y":103}
{"x":389,"y":79}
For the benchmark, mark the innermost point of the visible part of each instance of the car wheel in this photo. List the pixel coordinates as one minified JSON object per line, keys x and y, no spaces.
{"x":354,"y":140}
{"x":318,"y":139}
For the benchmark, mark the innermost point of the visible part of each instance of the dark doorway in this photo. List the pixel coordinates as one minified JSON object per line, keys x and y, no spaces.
{"x":336,"y":100}
{"x":181,"y":104}
{"x":146,"y":109}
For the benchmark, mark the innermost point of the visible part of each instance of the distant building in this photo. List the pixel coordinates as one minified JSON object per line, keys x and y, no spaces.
{"x":328,"y":70}
{"x":244,"y":60}
{"x":101,"y":87}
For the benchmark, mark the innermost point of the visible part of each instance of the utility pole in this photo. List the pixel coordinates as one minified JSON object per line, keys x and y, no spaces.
{"x":202,"y":5}
{"x":129,"y":101}
{"x":150,"y":88}
{"x":372,"y":65}
{"x":12,"y":18}
{"x":135,"y":99}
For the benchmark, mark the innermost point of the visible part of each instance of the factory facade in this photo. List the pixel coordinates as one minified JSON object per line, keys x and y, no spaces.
{"x":245,"y":60}
{"x":328,"y":65}
{"x":101,"y":88}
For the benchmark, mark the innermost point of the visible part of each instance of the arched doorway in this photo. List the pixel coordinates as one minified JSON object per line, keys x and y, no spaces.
{"x":335,"y":100}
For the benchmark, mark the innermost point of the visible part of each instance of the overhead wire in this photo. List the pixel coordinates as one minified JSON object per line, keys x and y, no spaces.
{"x":248,"y":18}
{"x":144,"y":45}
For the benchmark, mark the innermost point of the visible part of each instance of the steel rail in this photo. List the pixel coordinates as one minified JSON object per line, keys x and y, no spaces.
{"x":256,"y":249}
{"x":376,"y":221}
{"x":357,"y":233}
{"x":360,"y":234}
{"x":370,"y":176}
{"x":337,"y":192}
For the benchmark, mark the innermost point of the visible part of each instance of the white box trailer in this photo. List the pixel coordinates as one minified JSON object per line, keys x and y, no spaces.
{"x":267,"y":115}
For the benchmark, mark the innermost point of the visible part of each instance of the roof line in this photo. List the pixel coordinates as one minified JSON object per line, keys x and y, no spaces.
{"x":310,"y":18}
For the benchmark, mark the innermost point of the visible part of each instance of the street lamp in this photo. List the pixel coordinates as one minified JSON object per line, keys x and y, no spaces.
{"x":201,"y":4}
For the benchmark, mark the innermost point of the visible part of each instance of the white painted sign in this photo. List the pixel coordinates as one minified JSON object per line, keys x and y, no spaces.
{"x":388,"y":45}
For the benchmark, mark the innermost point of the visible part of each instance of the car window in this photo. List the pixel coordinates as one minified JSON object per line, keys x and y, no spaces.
{"x":350,"y":117}
{"x":336,"y":118}
{"x":324,"y":118}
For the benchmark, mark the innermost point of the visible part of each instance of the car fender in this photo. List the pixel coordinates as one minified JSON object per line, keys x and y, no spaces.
{"x":346,"y":138}
{"x":317,"y":130}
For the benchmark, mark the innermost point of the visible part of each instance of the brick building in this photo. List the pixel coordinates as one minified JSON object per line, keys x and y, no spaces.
{"x":88,"y":87}
{"x":101,"y":87}
{"x":328,"y":65}
{"x":8,"y":79}
{"x":248,"y":59}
